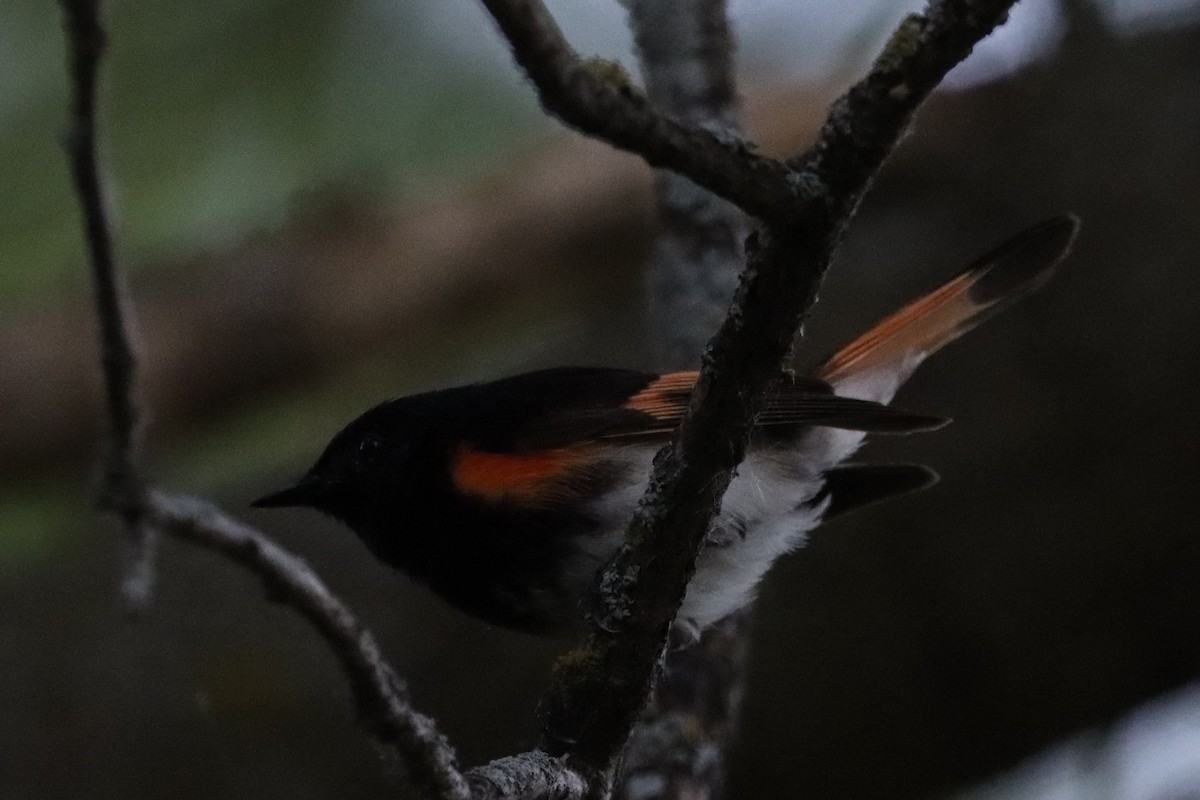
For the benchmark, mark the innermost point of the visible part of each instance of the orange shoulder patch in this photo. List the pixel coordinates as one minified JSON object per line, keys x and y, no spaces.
{"x":534,"y":477}
{"x":666,"y":397}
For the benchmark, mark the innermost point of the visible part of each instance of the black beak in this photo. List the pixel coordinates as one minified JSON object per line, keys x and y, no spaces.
{"x":304,"y":493}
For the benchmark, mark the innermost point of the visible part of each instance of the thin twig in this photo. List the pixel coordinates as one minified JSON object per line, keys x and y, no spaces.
{"x":379,"y":693}
{"x":602,"y":685}
{"x":121,"y":487}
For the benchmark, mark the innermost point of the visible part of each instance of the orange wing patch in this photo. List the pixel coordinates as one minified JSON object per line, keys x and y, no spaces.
{"x":532,"y":477}
{"x":666,"y":397}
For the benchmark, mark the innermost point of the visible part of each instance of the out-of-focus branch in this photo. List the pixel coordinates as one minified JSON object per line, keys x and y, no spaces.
{"x":529,"y":776}
{"x":121,"y":483}
{"x":686,"y":52}
{"x":678,"y":748}
{"x":805,"y":205}
{"x":603,"y":684}
{"x":379,"y":694}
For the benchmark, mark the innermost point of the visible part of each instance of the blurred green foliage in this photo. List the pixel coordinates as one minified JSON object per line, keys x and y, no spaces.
{"x":219,"y":119}
{"x":218,"y":114}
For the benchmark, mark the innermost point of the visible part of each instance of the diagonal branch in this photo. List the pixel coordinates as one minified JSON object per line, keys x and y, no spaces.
{"x":379,"y":693}
{"x":602,"y":685}
{"x":862,"y":127}
{"x":121,"y":483}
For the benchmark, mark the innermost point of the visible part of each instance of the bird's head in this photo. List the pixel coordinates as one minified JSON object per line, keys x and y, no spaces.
{"x":366,"y":461}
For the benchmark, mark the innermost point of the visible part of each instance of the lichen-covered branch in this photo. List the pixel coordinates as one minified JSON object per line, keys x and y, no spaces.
{"x":121,"y":480}
{"x":601,"y":686}
{"x":865,"y":123}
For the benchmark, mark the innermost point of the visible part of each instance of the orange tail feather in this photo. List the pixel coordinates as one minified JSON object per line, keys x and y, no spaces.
{"x":997,"y":280}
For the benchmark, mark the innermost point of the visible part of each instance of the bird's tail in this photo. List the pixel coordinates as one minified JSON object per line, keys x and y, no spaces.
{"x":876,"y":363}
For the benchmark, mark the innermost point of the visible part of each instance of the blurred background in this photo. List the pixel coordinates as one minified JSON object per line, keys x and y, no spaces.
{"x":323,"y":204}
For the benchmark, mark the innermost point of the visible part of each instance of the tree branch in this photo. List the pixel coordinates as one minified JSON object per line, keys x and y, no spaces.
{"x":601,"y":686}
{"x":121,"y":482}
{"x":528,"y":776}
{"x":379,"y":693}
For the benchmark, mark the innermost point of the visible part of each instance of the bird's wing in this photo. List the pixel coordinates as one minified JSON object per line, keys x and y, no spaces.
{"x":791,"y":401}
{"x":544,"y":437}
{"x":559,"y":408}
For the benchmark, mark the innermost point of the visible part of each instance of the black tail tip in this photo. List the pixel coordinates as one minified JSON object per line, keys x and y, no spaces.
{"x":1026,"y":261}
{"x":854,"y":486}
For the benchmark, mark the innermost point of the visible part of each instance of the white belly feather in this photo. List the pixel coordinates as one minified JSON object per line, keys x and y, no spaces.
{"x":766,"y":512}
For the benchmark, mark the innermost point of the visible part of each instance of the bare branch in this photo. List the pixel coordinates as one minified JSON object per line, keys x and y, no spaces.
{"x":678,"y":748}
{"x":602,"y":685}
{"x":121,"y":484}
{"x":806,"y":203}
{"x":616,"y":113}
{"x":379,"y":693}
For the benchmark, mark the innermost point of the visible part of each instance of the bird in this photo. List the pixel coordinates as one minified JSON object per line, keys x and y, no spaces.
{"x":505,"y":498}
